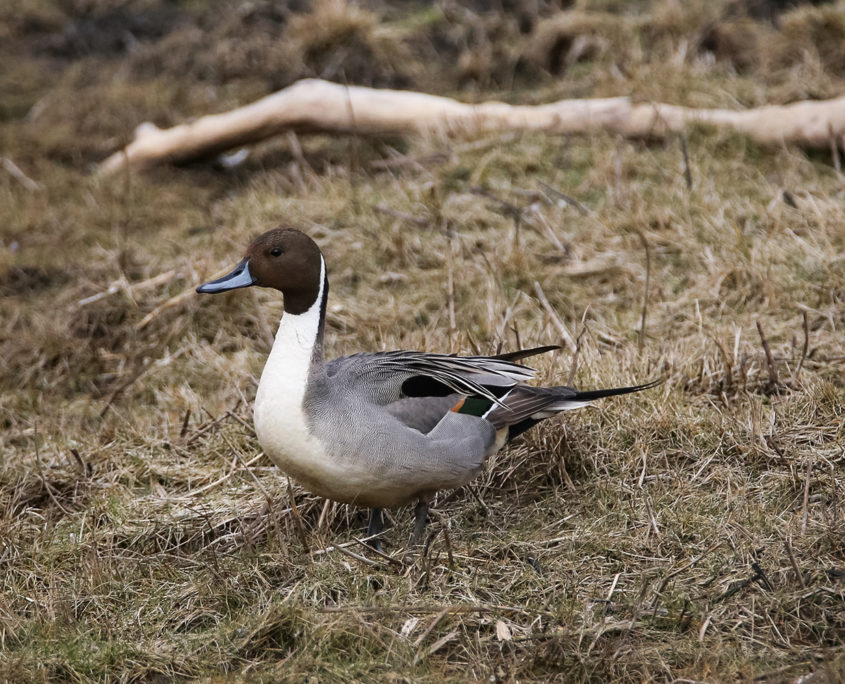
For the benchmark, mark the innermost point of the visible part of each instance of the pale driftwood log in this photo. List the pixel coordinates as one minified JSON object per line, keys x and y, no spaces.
{"x":315,"y":106}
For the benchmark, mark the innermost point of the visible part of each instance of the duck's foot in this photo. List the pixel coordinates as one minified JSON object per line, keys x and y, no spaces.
{"x":420,"y":520}
{"x":375,"y":526}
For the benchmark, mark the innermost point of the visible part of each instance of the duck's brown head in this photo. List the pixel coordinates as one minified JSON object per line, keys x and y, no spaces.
{"x":284,"y":259}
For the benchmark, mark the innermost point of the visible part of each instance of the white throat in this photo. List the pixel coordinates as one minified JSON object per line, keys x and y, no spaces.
{"x":280,"y":421}
{"x":296,"y":339}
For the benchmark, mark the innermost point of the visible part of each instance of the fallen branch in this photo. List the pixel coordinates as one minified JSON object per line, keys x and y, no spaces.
{"x":314,"y":106}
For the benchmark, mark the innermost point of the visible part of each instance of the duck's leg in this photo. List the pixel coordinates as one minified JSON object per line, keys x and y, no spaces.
{"x":420,"y":520}
{"x":374,"y":527}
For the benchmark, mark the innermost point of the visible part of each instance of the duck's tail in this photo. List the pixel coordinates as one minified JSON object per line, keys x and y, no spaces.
{"x":524,"y":406}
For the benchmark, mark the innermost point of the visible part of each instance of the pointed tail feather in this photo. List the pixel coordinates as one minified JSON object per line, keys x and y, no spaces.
{"x":525,"y":406}
{"x":592,"y":395}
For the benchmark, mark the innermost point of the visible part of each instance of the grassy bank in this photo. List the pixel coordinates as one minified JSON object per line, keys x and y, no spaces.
{"x":691,"y":532}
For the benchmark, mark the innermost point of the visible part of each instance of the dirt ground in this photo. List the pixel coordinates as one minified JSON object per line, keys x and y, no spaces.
{"x":695,"y":532}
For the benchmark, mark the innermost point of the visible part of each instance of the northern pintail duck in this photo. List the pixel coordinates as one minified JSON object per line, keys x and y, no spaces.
{"x":379,"y":429}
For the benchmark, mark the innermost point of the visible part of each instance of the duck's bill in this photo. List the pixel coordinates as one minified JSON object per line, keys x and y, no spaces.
{"x":239,"y":277}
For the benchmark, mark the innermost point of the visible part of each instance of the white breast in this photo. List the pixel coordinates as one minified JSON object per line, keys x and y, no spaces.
{"x":280,"y":421}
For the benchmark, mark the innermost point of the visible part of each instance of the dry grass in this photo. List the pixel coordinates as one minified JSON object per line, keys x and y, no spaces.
{"x":694,"y":532}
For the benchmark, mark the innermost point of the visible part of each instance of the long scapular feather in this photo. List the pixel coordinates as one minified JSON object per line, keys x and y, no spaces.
{"x":520,"y":354}
{"x":462,"y":374}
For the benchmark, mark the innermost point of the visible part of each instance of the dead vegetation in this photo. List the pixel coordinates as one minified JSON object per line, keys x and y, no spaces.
{"x":694,"y":532}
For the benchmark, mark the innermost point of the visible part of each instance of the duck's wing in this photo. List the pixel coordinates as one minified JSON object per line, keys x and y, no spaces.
{"x":387,"y":377}
{"x":422,"y":413}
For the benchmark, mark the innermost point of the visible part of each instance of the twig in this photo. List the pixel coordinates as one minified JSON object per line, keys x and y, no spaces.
{"x":164,"y":306}
{"x":357,"y":557}
{"x":806,"y":348}
{"x":788,"y":544}
{"x":641,"y":341}
{"x":185,"y":422}
{"x":84,"y":467}
{"x":547,"y":230}
{"x":651,"y":515}
{"x":774,"y":381}
{"x":573,"y":366}
{"x":450,"y":293}
{"x":508,"y":208}
{"x":333,"y":547}
{"x":258,"y":484}
{"x":556,"y":320}
{"x":834,"y":149}
{"x":444,"y":526}
{"x":804,"y":511}
{"x":612,"y":587}
{"x":571,"y":201}
{"x":729,"y":380}
{"x":643,"y":471}
{"x":248,"y":427}
{"x":687,"y":168}
{"x":297,"y":519}
{"x":301,"y":163}
{"x":437,"y":645}
{"x":443,"y":613}
{"x":324,"y":515}
{"x":16,"y":173}
{"x":469,"y":488}
{"x":379,"y":553}
{"x":616,"y":188}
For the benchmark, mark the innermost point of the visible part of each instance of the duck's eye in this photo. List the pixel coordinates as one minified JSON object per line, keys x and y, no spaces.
{"x":276,"y":251}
